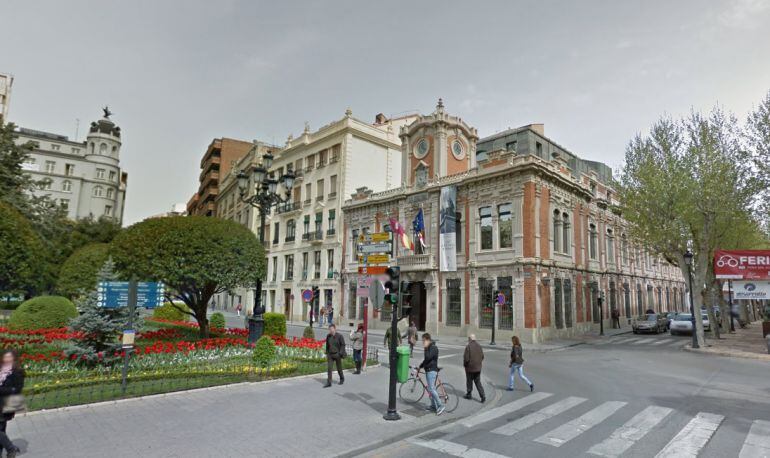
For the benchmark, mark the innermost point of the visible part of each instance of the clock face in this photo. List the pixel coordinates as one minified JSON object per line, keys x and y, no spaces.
{"x":458,"y":150}
{"x":421,"y":149}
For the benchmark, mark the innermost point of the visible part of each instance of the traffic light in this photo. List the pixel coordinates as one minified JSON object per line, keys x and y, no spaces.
{"x":392,"y":285}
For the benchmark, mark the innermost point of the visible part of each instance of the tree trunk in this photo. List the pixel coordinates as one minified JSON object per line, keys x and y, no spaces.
{"x":710,"y":301}
{"x":700,"y":268}
{"x":203,"y":325}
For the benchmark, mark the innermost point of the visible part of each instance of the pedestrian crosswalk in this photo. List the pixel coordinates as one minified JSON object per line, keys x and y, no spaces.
{"x":564,"y":422}
{"x":656,"y":341}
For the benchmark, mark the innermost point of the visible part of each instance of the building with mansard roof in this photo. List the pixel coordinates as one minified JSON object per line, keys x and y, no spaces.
{"x":522,"y":218}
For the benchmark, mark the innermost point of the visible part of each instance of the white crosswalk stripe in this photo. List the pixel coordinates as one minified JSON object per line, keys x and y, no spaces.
{"x":757,"y":444}
{"x":660,"y":342}
{"x":633,"y":430}
{"x":692,"y":438}
{"x":455,"y":449}
{"x":578,"y":426}
{"x":484,"y":417}
{"x":509,"y":429}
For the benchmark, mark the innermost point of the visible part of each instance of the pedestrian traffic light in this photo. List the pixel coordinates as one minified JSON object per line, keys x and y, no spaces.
{"x":406,"y":299}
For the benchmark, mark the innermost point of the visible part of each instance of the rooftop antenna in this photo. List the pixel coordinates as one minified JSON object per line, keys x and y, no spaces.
{"x":77,"y":128}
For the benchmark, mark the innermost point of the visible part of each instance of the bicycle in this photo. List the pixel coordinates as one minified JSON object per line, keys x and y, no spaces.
{"x":415,"y":388}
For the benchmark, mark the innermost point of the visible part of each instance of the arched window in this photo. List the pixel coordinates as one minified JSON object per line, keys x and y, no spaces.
{"x":98,"y":191}
{"x":103,"y":149}
{"x":556,"y":231}
{"x":66,"y":186}
{"x":565,"y":232}
{"x":610,"y":246}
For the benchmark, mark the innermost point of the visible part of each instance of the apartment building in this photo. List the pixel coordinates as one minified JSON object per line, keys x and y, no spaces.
{"x":514,"y":214}
{"x":85,"y":178}
{"x":215,"y":163}
{"x":304,"y":235}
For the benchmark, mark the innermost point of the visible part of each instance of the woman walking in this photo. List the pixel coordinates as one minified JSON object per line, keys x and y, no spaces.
{"x":517,"y":365}
{"x":357,"y":341}
{"x":11,"y":383}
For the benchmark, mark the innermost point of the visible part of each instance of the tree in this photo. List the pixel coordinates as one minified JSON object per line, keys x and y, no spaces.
{"x":758,"y":128}
{"x":683,"y":187}
{"x":100,"y":326}
{"x":78,"y":273}
{"x":195,"y":257}
{"x":21,"y":253}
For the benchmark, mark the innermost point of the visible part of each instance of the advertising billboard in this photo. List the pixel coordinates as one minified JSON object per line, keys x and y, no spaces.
{"x":742,"y":264}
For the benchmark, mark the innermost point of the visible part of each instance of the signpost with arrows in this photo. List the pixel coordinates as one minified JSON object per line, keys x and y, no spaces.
{"x":375,"y":248}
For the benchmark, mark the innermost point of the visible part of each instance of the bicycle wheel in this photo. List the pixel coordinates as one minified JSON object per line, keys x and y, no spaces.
{"x":448,"y":396}
{"x":411,"y":391}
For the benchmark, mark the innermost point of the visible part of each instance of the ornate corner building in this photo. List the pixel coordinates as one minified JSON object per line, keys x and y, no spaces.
{"x":514,"y":214}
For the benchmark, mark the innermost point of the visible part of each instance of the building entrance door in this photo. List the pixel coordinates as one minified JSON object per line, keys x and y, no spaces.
{"x":287,"y":303}
{"x":417,"y":299}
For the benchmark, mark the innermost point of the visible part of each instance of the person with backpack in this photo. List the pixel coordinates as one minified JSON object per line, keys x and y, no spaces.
{"x":517,"y":365}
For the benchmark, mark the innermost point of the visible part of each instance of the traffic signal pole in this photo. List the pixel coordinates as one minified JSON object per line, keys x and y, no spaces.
{"x":394,"y":288}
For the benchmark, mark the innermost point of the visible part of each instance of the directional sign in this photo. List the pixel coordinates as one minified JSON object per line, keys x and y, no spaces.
{"x":367,"y":248}
{"x":373,"y":270}
{"x":374,"y":237}
{"x":114,"y":294}
{"x":374,"y":259}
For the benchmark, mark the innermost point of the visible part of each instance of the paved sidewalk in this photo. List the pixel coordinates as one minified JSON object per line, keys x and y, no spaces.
{"x":293,"y":417}
{"x":743,"y":343}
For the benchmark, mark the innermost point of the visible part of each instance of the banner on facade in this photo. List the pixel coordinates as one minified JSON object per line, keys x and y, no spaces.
{"x":742,"y":264}
{"x":448,"y":229}
{"x":751,"y":290}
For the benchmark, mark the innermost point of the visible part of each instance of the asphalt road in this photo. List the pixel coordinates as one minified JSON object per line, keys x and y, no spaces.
{"x":636,"y":396}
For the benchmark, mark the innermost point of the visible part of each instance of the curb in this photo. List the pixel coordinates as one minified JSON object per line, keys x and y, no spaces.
{"x":728,"y":353}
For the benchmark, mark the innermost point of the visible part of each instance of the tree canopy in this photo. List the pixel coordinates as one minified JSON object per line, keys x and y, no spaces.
{"x":78,"y":273}
{"x":21,"y":253}
{"x":196,"y":257}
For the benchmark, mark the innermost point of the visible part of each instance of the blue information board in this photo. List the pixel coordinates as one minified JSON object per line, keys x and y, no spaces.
{"x":114,"y":294}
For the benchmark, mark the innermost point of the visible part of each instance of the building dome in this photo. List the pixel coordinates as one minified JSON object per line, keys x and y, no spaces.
{"x":105,"y":126}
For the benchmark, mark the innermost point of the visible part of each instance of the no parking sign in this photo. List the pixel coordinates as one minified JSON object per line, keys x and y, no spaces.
{"x":307,"y":295}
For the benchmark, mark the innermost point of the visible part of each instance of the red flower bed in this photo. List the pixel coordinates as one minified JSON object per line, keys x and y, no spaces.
{"x":298,"y":343}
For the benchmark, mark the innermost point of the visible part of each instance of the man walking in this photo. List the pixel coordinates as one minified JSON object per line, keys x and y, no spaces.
{"x":430,"y":364}
{"x":335,"y":352}
{"x":615,"y":318}
{"x":472,"y":359}
{"x":411,"y":337}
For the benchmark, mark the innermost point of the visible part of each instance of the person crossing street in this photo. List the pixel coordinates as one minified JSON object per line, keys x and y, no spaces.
{"x":472,"y":359}
{"x":430,"y":365}
{"x":335,"y":353}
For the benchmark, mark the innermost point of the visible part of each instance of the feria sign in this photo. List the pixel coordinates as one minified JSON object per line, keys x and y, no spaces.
{"x":742,"y":264}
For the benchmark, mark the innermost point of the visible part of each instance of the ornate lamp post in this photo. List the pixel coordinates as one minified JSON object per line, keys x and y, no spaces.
{"x":264,"y":197}
{"x":688,"y":261}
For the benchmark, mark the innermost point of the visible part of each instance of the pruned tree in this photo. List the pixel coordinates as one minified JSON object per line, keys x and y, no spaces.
{"x":21,"y":253}
{"x":78,"y":274}
{"x":195,"y":257}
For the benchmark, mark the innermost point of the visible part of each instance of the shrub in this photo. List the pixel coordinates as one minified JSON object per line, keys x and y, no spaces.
{"x":275,"y":324}
{"x":264,"y":351}
{"x":170,"y":312}
{"x":43,"y":312}
{"x":217,"y":321}
{"x":308,"y":333}
{"x":6,"y":304}
{"x":22,"y":257}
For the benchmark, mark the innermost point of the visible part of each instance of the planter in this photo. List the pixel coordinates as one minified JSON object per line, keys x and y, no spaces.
{"x":765,"y":328}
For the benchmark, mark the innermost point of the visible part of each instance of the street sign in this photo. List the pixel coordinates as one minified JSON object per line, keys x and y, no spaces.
{"x":364,"y":282}
{"x":114,"y":294}
{"x":374,"y":237}
{"x":307,"y":295}
{"x":374,"y":259}
{"x":375,"y":248}
{"x":129,"y":335}
{"x":373,"y":270}
{"x":501,"y":299}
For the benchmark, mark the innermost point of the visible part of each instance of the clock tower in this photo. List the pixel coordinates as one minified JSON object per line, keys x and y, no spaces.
{"x":436,"y":145}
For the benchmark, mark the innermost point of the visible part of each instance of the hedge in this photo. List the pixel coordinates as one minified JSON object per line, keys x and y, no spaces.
{"x":264,"y":351}
{"x":217,"y":321}
{"x":170,"y":312}
{"x":275,"y":324}
{"x":43,"y":312}
{"x":78,"y":273}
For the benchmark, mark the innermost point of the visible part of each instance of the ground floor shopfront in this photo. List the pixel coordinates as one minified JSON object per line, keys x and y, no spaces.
{"x":538,"y":305}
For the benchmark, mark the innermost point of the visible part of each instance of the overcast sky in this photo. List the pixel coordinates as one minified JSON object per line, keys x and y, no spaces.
{"x":177,"y":74}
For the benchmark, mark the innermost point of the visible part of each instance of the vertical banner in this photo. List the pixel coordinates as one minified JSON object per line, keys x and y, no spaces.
{"x":447,"y":229}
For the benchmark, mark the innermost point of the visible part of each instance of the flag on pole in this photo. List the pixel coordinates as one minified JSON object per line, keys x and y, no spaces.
{"x":419,"y":228}
{"x":398,"y":229}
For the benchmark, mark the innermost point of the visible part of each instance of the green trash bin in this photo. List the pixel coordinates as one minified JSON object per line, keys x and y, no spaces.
{"x":402,"y":364}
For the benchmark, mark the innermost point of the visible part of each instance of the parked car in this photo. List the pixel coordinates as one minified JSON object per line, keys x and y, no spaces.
{"x":652,"y":322}
{"x":682,"y":323}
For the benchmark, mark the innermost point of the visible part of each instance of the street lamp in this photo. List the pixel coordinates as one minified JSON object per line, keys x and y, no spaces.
{"x":600,"y":300}
{"x":688,"y":261}
{"x":263,"y":196}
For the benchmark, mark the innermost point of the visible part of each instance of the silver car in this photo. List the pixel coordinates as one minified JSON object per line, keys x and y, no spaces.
{"x":652,"y":322}
{"x":682,"y":323}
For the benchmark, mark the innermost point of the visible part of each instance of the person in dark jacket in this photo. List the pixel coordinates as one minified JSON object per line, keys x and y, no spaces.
{"x":472,"y":359}
{"x":430,"y":364}
{"x":11,"y":382}
{"x":517,"y":364}
{"x":335,"y":352}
